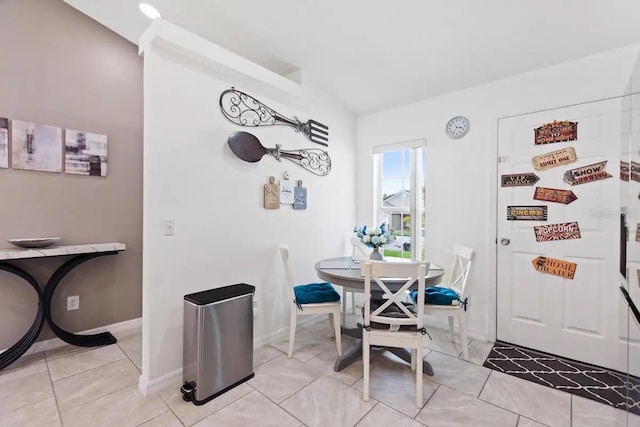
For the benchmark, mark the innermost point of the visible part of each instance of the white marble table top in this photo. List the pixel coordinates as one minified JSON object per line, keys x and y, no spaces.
{"x":60,"y":250}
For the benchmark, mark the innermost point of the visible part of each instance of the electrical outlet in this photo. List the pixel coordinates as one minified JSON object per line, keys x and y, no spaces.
{"x":73,"y":302}
{"x":255,"y":309}
{"x":169,"y":226}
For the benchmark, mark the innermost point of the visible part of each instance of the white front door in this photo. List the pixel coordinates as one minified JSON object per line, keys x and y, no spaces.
{"x":575,"y":318}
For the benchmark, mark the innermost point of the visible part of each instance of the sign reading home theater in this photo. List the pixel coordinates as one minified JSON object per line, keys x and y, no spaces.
{"x":556,"y":267}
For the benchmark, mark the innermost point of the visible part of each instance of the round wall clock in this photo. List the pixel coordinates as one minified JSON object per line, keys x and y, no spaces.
{"x":458,"y":127}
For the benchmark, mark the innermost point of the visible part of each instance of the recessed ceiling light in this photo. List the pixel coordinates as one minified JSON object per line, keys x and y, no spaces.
{"x":149,"y":11}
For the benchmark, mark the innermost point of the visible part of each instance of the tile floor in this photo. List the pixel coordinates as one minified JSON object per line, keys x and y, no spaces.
{"x":73,"y":386}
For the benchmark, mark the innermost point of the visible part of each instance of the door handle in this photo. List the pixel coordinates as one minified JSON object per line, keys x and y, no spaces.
{"x":504,"y":241}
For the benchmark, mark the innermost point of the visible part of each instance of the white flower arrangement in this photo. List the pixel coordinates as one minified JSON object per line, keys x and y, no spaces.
{"x":375,"y":237}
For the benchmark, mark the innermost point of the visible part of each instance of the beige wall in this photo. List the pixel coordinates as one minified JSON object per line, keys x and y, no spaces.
{"x":61,"y":68}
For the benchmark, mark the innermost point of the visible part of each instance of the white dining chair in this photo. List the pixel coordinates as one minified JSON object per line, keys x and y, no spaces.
{"x":392,"y":323}
{"x":295,"y":310}
{"x":358,"y":252}
{"x":457,"y":281}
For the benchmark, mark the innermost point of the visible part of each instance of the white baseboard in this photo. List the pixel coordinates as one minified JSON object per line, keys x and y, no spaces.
{"x":474,"y":334}
{"x":52,"y":343}
{"x":151,"y":387}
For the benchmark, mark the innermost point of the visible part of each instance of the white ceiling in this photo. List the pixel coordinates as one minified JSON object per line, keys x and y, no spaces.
{"x":374,"y":54}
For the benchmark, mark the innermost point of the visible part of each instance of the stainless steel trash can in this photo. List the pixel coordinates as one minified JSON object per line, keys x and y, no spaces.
{"x":218,"y":341}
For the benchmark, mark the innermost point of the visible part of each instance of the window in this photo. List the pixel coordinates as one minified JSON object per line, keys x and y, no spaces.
{"x":400,"y":196}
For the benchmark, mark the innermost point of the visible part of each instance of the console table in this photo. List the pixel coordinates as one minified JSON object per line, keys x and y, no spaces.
{"x":80,"y":253}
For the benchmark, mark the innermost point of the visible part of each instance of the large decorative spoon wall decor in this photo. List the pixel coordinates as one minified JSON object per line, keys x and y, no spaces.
{"x":245,"y":110}
{"x":247,"y":147}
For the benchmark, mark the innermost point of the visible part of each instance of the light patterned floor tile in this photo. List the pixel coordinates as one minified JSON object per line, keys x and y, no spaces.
{"x":165,"y":420}
{"x":264,"y":354}
{"x":252,"y":410}
{"x":23,"y":367}
{"x":328,"y":402}
{"x":306,"y":345}
{"x":126,"y":407}
{"x":83,"y":387}
{"x":189,"y":413}
{"x":383,"y":416}
{"x":327,"y":360}
{"x":526,"y":422}
{"x":64,"y":351}
{"x":282,"y":377}
{"x":451,"y":408}
{"x":79,"y":362}
{"x":589,"y":413}
{"x":39,"y":414}
{"x":322,"y":327}
{"x":478,"y":352}
{"x":534,"y":401}
{"x":395,"y":385}
{"x":130,"y":341}
{"x":457,"y":374}
{"x":440,"y":342}
{"x":23,"y":392}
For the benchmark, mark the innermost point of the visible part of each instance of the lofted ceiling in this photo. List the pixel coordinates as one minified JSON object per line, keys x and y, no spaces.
{"x":374,"y":54}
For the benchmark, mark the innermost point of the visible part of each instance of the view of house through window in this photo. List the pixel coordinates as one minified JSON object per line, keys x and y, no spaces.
{"x":400,"y":200}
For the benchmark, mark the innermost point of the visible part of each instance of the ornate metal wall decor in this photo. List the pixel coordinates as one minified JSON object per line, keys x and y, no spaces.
{"x":554,"y":158}
{"x":589,"y":173}
{"x":519,"y":180}
{"x":557,"y":267}
{"x":245,"y":110}
{"x":526,"y":213}
{"x":563,"y":231}
{"x":247,"y":147}
{"x":556,"y":132}
{"x":554,"y":195}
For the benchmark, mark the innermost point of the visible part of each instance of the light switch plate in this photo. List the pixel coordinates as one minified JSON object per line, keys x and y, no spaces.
{"x":169,"y":226}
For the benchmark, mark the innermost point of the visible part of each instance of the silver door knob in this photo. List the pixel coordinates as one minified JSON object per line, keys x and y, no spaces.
{"x":504,"y":241}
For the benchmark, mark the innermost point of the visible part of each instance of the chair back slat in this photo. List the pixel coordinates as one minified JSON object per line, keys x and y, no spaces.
{"x":463,"y":257}
{"x":378,"y":272}
{"x":284,"y":252}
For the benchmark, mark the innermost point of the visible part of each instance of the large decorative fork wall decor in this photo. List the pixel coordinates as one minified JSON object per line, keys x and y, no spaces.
{"x":245,"y":110}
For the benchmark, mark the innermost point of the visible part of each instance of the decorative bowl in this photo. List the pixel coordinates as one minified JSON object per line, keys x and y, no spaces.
{"x":36,"y":242}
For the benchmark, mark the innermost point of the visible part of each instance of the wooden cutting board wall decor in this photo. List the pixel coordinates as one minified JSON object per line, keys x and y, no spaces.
{"x":563,"y":231}
{"x":589,"y":173}
{"x":271,"y":194}
{"x":554,"y":158}
{"x":286,"y":190}
{"x":556,"y":267}
{"x":526,"y":213}
{"x":554,"y":195}
{"x":519,"y":179}
{"x":556,"y":132}
{"x":299,"y":197}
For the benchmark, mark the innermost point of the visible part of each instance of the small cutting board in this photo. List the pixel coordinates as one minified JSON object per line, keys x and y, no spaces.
{"x":272,"y":194}
{"x":299,"y":197}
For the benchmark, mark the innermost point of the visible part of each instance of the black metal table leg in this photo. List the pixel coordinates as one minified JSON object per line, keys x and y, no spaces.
{"x":94,"y":340}
{"x":18,"y":349}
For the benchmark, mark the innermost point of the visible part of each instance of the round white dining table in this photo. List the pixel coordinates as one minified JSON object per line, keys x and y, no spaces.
{"x":343,"y":271}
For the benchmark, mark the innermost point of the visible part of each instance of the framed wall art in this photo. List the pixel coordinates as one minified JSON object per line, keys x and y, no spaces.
{"x":85,"y":153}
{"x":36,"y":147}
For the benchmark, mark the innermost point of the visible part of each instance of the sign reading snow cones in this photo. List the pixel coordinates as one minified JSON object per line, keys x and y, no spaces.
{"x":556,"y":132}
{"x":587,"y":173}
{"x":527,"y":213}
{"x":554,"y":158}
{"x":557,"y":267}
{"x":563,"y":231}
{"x":519,"y":180}
{"x":554,"y":195}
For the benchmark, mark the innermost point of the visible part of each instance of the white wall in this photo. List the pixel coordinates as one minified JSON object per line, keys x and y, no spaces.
{"x":461,"y":175}
{"x":223,"y":234}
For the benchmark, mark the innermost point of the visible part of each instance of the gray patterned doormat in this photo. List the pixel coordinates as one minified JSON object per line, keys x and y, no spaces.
{"x":613,"y":388}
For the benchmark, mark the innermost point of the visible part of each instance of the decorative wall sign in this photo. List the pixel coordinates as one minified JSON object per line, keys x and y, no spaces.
{"x":563,"y":231}
{"x":589,"y":173}
{"x":299,"y":197}
{"x":36,"y":147}
{"x":638,"y":232}
{"x":286,"y":190}
{"x":519,"y":179}
{"x":554,"y":158}
{"x":85,"y":153}
{"x":4,"y":143}
{"x":624,"y":171}
{"x":245,"y":110}
{"x":271,"y":194}
{"x":557,"y":267}
{"x":635,"y":171}
{"x":638,"y":274}
{"x":554,"y":195}
{"x":527,"y":213}
{"x":556,"y":132}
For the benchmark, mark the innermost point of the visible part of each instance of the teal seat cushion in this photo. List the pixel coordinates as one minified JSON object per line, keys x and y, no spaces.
{"x":314,"y":293}
{"x":437,"y":295}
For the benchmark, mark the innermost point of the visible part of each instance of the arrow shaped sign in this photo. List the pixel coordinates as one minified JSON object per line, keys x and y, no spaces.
{"x":519,"y":180}
{"x":554,"y":195}
{"x":556,"y":267}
